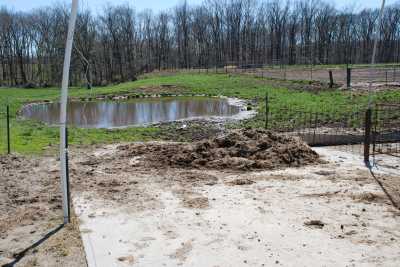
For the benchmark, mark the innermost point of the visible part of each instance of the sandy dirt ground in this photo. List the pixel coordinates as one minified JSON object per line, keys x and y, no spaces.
{"x":31,"y":232}
{"x":327,"y":214}
{"x":331,"y":212}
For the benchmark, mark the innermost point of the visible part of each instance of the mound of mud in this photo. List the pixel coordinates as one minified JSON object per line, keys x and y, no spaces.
{"x":239,"y":150}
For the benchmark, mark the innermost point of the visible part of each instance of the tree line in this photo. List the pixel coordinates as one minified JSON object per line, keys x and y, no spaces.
{"x":118,"y":43}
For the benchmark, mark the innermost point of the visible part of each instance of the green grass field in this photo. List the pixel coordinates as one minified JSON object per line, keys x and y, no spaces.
{"x":30,"y":137}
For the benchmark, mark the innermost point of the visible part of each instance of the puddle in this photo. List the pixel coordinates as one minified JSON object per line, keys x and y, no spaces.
{"x":114,"y":114}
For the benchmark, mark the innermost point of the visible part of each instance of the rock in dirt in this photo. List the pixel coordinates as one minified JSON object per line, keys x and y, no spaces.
{"x":129,"y":259}
{"x":196,"y":178}
{"x":314,"y":224}
{"x":369,"y":197}
{"x":196,"y":203}
{"x":324,"y":173}
{"x":241,"y":182}
{"x":247,"y":149}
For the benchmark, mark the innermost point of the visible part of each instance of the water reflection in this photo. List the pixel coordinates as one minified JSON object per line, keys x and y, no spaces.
{"x":107,"y":114}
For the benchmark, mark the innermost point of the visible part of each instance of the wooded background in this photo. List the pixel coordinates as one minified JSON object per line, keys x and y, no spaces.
{"x":118,"y":43}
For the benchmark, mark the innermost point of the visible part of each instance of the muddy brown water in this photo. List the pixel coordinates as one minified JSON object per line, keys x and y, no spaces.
{"x":112,"y":114}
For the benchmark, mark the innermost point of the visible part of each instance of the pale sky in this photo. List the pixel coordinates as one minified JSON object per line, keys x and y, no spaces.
{"x":157,"y":5}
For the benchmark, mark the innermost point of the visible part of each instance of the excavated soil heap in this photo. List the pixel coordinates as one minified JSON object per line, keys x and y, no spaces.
{"x":239,"y":150}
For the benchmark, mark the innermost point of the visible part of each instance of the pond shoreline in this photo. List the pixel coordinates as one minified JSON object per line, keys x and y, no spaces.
{"x":245,"y":110}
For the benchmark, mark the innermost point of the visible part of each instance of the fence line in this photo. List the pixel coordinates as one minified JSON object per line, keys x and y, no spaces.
{"x":386,"y":129}
{"x":341,"y":76}
{"x":376,"y":129}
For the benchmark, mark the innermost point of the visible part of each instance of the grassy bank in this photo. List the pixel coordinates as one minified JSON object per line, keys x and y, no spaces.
{"x":33,"y":137}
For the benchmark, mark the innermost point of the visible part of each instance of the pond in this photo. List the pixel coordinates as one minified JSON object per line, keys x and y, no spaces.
{"x":143,"y":111}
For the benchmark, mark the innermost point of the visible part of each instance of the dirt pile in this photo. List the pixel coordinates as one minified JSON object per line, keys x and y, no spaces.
{"x":239,"y":150}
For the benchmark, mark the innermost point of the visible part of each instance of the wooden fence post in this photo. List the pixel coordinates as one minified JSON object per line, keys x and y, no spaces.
{"x":330,"y":79}
{"x":348,"y":77}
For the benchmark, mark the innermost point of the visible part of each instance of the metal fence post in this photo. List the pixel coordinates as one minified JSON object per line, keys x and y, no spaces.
{"x":266,"y":110}
{"x":284,"y":72}
{"x":367,"y":134}
{"x":386,"y":76}
{"x":394,"y":74}
{"x":67,"y":175}
{"x":63,"y":112}
{"x":315,"y":127}
{"x":8,"y":130}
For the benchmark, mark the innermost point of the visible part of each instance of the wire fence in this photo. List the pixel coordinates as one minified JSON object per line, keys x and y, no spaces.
{"x":386,"y":129}
{"x":320,"y":128}
{"x":331,"y":128}
{"x":345,"y":76}
{"x":370,"y":131}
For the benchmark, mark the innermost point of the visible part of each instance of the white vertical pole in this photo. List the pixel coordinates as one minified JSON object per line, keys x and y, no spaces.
{"x":373,"y":60}
{"x":63,"y":112}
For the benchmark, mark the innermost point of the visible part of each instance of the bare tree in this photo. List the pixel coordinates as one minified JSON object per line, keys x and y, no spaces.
{"x":118,"y":43}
